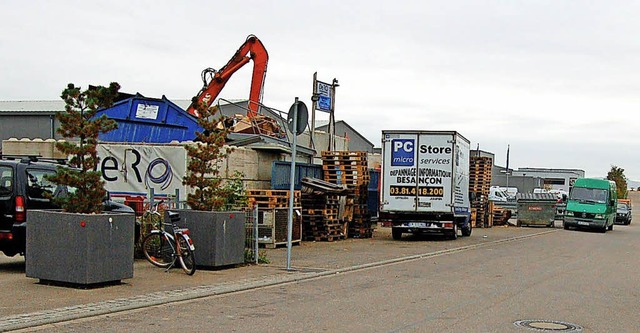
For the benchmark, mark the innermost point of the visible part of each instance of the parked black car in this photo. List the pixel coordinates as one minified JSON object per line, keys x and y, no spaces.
{"x":623,"y":214}
{"x":23,"y":187}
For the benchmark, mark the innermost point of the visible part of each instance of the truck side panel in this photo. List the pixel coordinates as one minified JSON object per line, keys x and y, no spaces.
{"x":461,"y":201}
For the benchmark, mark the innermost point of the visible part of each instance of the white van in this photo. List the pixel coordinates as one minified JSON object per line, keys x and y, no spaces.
{"x":497,"y":194}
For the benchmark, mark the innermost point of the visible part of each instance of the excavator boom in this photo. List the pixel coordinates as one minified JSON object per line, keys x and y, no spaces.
{"x":252,"y":49}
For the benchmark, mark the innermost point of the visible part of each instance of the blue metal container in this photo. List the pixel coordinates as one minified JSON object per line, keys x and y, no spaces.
{"x":149,"y":120}
{"x":373,"y":199}
{"x":281,"y":172}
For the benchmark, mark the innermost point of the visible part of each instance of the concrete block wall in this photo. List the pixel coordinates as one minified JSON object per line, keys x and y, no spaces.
{"x":43,"y":148}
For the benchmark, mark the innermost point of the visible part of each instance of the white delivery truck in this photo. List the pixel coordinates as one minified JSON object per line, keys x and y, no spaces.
{"x":425,"y":182}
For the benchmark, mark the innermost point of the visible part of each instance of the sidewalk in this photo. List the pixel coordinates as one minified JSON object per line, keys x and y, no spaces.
{"x":28,"y":303}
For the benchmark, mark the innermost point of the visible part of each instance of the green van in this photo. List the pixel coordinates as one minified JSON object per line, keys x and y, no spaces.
{"x":591,"y":204}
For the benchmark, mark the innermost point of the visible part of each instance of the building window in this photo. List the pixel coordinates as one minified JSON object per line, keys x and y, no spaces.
{"x":554,"y":181}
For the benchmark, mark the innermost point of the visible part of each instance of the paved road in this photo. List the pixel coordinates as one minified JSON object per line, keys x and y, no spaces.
{"x":583,"y":278}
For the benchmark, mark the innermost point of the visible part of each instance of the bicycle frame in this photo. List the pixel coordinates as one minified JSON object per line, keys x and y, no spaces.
{"x":175,"y":248}
{"x":180,"y":245}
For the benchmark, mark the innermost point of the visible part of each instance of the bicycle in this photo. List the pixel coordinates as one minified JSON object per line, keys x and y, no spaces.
{"x":163,"y":249}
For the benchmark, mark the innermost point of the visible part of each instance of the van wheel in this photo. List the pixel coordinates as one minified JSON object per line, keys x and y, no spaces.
{"x":396,"y":233}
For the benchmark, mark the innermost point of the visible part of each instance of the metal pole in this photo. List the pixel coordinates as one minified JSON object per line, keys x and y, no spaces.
{"x":292,"y":182}
{"x":313,"y":115}
{"x":334,"y":84}
{"x":151,"y":196}
{"x":255,"y":233}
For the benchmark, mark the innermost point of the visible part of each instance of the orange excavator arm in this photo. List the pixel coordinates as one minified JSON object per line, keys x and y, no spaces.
{"x":214,"y":81}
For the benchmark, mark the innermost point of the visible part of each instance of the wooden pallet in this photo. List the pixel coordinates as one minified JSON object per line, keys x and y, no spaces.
{"x":327,"y":238}
{"x":272,"y":198}
{"x":500,"y":215}
{"x":320,"y":218}
{"x":343,"y":154}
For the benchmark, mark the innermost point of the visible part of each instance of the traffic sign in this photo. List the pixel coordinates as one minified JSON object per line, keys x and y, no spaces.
{"x":301,"y":118}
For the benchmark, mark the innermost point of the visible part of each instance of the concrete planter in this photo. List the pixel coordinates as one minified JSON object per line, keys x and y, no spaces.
{"x":79,"y":249}
{"x":219,"y":237}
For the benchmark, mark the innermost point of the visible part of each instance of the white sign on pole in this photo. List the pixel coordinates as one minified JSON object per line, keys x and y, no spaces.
{"x":323,"y":90}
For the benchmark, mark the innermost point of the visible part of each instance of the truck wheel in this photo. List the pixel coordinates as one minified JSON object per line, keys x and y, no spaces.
{"x":466,"y":232}
{"x":396,"y":233}
{"x":611,"y":227}
{"x":454,"y":234}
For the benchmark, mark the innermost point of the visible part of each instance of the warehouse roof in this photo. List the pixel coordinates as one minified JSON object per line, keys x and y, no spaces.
{"x":31,"y":106}
{"x":53,"y":106}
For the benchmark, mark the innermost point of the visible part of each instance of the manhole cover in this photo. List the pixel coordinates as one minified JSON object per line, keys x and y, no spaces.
{"x":548,"y":326}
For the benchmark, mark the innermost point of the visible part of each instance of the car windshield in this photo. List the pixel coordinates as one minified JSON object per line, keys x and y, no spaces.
{"x":623,"y":206}
{"x":589,"y":195}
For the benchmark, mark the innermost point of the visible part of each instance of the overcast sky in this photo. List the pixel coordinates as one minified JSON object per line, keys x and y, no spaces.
{"x":556,"y":80}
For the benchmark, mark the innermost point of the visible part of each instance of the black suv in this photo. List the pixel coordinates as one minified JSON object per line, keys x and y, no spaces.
{"x":23,"y":187}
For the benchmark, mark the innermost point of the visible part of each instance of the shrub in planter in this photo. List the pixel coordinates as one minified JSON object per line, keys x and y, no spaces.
{"x":81,"y":245}
{"x":218,"y":236}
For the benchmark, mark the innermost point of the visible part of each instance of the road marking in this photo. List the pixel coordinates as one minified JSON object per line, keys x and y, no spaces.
{"x":69,"y":313}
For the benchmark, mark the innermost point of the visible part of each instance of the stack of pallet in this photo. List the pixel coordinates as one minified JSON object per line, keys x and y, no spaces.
{"x":501,"y":215}
{"x":320,"y":218}
{"x":349,"y":168}
{"x":273,"y":216}
{"x":479,"y":185}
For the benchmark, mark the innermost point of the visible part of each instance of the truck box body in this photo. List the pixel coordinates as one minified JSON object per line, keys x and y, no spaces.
{"x":425,"y":181}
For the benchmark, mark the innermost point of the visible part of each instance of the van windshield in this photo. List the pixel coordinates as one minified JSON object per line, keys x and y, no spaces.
{"x":589,"y":195}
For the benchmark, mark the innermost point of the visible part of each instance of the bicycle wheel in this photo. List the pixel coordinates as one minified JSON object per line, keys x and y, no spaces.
{"x":187,"y":258}
{"x":157,"y":250}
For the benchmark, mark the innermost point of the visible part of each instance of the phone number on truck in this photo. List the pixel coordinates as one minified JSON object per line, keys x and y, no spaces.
{"x":422,"y":191}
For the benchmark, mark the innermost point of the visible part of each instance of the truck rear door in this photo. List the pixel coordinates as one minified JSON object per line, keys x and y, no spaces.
{"x":399,"y":172}
{"x":435,"y":172}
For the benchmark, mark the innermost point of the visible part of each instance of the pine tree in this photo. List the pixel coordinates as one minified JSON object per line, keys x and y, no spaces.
{"x":203,"y":168}
{"x":81,"y":129}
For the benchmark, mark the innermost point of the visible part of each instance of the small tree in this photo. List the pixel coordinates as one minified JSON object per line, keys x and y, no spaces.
{"x":203,"y":168}
{"x":236,"y":197}
{"x":617,"y":175}
{"x":80,"y":126}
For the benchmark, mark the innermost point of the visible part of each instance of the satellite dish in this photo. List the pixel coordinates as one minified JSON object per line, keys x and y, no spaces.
{"x":302,"y":118}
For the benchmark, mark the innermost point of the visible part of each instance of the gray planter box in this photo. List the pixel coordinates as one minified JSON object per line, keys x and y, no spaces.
{"x":219,"y":237}
{"x":79,"y":249}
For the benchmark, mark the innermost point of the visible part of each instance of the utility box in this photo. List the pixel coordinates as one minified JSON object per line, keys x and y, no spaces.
{"x":536,"y":209}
